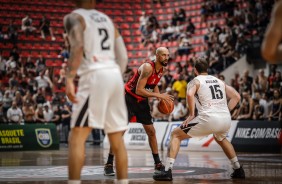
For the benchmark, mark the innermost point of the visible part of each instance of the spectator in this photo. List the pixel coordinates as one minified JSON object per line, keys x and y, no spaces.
{"x":18,"y":99}
{"x":29,"y":66}
{"x":7,"y":102}
{"x":181,"y":16}
{"x":45,"y":28}
{"x":12,"y":32}
{"x":184,"y":46}
{"x":27,"y":25}
{"x":44,"y":81}
{"x":39,"y":115}
{"x":15,"y":54}
{"x":3,"y":118}
{"x":166,"y":32}
{"x":179,"y":112}
{"x":29,"y":113}
{"x":258,"y":110}
{"x":14,"y":114}
{"x":263,"y":80}
{"x":246,"y":82}
{"x":143,"y":22}
{"x":47,"y":113}
{"x":13,"y":80}
{"x":32,"y":83}
{"x":275,"y":113}
{"x":152,"y":21}
{"x":39,"y":97}
{"x":40,"y":65}
{"x":66,"y":117}
{"x":174,"y":18}
{"x":246,"y":107}
{"x":256,"y":86}
{"x":27,"y":99}
{"x":151,"y":53}
{"x":3,"y":64}
{"x":65,"y":53}
{"x":266,"y":103}
{"x":180,"y":86}
{"x":11,"y":65}
{"x":190,"y":27}
{"x":57,"y":117}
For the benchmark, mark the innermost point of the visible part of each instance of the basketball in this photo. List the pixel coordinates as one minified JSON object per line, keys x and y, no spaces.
{"x":166,"y":107}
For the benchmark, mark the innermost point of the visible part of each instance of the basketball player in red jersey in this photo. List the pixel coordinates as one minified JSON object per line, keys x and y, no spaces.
{"x":271,"y":46}
{"x":137,"y":90}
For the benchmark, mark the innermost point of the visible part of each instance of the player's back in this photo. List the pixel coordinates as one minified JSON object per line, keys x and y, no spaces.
{"x":211,"y":96}
{"x":99,"y":40}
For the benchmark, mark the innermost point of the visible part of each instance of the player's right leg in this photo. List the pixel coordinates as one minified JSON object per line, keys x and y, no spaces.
{"x":229,"y":151}
{"x":78,"y":136}
{"x":118,"y":148}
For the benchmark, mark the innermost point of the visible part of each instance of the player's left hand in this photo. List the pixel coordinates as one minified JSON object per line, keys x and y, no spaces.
{"x":70,"y":90}
{"x":186,"y":122}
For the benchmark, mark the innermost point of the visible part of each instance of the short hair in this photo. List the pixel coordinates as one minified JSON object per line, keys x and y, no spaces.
{"x":201,"y":64}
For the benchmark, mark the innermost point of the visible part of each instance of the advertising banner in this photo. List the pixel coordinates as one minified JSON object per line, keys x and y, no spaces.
{"x":257,"y":136}
{"x":28,"y":137}
{"x":136,"y":138}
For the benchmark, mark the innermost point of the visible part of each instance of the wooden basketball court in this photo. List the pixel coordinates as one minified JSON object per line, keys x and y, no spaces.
{"x":44,"y":167}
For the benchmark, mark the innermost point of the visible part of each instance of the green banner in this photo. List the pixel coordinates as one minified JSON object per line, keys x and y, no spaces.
{"x":28,"y":137}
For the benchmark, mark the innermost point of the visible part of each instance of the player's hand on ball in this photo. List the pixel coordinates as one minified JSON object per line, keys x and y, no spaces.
{"x":167,"y":97}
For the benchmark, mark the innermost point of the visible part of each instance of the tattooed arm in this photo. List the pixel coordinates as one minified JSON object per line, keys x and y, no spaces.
{"x":192,"y":88}
{"x":145,"y":71}
{"x":74,"y":25}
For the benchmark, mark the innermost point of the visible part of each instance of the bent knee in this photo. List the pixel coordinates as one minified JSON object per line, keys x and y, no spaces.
{"x":177,"y":133}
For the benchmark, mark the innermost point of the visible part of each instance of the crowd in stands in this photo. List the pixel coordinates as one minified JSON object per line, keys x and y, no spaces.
{"x":224,"y":43}
{"x":31,"y":93}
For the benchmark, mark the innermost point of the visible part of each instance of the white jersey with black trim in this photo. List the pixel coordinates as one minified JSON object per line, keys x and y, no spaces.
{"x":211,"y":96}
{"x":99,"y":40}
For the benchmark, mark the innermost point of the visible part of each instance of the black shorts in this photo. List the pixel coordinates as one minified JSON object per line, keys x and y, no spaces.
{"x":139,"y":109}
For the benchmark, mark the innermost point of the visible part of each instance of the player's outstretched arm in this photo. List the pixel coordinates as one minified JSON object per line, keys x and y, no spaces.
{"x":271,"y":46}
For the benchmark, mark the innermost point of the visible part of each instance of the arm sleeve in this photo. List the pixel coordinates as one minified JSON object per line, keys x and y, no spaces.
{"x":121,"y":53}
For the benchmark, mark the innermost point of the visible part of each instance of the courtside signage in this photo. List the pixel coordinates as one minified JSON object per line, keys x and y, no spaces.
{"x":257,"y":136}
{"x":136,"y":138}
{"x":28,"y":137}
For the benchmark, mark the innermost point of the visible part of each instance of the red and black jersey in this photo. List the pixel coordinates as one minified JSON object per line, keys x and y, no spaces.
{"x":153,"y":80}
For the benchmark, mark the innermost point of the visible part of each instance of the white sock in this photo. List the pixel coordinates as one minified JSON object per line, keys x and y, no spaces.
{"x":74,"y":182}
{"x":235,"y":163}
{"x":169,"y":163}
{"x":123,"y":181}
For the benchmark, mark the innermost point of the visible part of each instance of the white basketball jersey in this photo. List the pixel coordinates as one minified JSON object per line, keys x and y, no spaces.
{"x":99,"y":39}
{"x":211,"y":96}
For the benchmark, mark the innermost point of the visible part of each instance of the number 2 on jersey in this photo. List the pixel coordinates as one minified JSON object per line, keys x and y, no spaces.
{"x":104,"y":32}
{"x":216,"y":93}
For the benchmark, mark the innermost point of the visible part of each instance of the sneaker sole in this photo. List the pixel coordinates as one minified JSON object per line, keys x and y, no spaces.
{"x":163,"y":179}
{"x":111,"y":174}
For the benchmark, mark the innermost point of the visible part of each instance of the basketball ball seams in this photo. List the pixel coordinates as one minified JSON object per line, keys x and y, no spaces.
{"x":165,"y":107}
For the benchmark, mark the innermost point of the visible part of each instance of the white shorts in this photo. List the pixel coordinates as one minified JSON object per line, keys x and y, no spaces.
{"x":101,"y":102}
{"x":201,"y":126}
